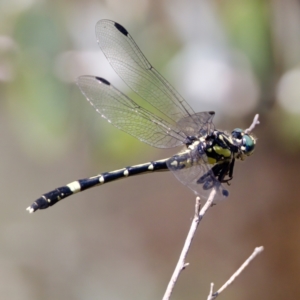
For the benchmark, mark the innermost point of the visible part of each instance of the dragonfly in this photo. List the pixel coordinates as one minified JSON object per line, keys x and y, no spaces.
{"x":208,"y":156}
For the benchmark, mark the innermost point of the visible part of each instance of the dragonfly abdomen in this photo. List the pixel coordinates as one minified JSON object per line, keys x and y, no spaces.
{"x":52,"y":197}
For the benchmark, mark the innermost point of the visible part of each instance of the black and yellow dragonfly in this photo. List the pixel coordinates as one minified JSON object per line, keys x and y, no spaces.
{"x":209,"y":155}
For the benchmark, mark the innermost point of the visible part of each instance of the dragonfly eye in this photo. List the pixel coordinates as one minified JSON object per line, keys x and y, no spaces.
{"x":237,"y":133}
{"x":246,"y":141}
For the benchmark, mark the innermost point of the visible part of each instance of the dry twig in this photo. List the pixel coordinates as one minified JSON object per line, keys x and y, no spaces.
{"x":181,"y":264}
{"x":213,"y":296}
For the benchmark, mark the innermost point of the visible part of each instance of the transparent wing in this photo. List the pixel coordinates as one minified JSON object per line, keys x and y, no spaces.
{"x":125,"y":114}
{"x":132,"y":66}
{"x":197,"y":125}
{"x":192,"y":169}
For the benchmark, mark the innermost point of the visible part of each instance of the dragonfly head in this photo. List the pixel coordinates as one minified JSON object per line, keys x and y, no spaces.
{"x":245,"y":141}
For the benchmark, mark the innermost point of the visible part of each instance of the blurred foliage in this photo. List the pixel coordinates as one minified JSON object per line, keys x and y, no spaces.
{"x":122,"y":240}
{"x":44,"y":101}
{"x":40,"y":98}
{"x":248,"y":24}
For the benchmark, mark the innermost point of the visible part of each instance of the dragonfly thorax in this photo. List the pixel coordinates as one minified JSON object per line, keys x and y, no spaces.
{"x":218,"y":147}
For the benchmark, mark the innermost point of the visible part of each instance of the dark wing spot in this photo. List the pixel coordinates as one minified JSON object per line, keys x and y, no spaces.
{"x":103,"y":80}
{"x":121,"y":28}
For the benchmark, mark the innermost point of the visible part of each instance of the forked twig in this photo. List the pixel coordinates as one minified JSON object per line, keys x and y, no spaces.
{"x":181,"y":264}
{"x":213,"y":296}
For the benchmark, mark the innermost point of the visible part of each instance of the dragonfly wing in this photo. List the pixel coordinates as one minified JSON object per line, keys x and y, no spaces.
{"x":191,"y":169}
{"x":125,"y":114}
{"x":132,"y":66}
{"x":197,"y":125}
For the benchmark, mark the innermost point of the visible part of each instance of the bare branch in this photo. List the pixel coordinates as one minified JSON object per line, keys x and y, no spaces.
{"x":181,"y":264}
{"x":254,"y":123}
{"x":213,"y":296}
{"x":199,"y":213}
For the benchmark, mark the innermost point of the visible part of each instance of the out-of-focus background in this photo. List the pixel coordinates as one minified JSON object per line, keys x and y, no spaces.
{"x":122,"y":240}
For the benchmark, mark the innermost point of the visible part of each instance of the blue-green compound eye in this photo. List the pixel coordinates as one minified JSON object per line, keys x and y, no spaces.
{"x":248,"y":143}
{"x":237,"y":133}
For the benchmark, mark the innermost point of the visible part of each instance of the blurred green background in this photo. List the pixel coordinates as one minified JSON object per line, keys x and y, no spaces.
{"x":122,"y":240}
